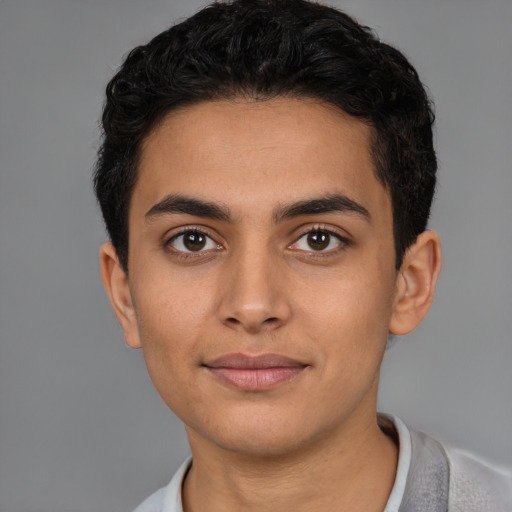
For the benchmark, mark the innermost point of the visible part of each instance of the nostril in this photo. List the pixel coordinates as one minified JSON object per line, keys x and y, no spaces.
{"x":253,"y":326}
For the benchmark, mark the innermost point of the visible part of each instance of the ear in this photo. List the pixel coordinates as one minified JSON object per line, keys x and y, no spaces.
{"x":416,"y":283}
{"x":116,"y":284}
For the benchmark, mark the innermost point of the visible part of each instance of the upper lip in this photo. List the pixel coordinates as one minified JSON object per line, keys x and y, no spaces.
{"x":244,"y":361}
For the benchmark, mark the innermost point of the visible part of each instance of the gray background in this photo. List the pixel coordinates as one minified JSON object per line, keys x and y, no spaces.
{"x":81,"y":428}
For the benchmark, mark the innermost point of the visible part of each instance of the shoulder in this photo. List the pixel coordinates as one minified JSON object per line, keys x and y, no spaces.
{"x":477,"y":485}
{"x":440,"y":477}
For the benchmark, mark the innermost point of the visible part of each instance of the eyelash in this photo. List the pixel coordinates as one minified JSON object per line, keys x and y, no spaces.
{"x":343,"y":242}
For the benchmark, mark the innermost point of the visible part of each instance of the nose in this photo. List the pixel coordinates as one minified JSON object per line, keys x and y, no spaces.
{"x":254,"y":293}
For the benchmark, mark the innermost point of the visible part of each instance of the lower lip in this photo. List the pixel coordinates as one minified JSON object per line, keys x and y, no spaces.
{"x":257,"y":379}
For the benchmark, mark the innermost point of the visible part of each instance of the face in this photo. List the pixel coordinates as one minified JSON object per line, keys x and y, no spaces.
{"x":261,"y":272}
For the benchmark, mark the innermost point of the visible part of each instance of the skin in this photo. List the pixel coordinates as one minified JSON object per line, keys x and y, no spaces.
{"x":259,"y":286}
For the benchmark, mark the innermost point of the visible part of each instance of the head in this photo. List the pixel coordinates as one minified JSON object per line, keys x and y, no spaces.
{"x":266,"y":177}
{"x":265,"y":49}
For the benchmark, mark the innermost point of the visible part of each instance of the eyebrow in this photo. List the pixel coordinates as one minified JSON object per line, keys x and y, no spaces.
{"x":335,"y":203}
{"x":190,"y":206}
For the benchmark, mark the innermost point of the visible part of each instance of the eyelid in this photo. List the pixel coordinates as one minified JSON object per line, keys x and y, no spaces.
{"x":320,"y":226}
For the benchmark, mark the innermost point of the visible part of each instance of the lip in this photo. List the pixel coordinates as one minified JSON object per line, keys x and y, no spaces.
{"x":255,"y":373}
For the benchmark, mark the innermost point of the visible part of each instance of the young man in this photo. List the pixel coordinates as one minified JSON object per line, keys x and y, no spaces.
{"x":266,"y":176}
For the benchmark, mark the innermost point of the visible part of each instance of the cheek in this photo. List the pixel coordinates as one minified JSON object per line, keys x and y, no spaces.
{"x":348,"y":318}
{"x":170,"y":320}
{"x":169,"y":333}
{"x":356,"y":301}
{"x":350,"y":334}
{"x":168,"y":303}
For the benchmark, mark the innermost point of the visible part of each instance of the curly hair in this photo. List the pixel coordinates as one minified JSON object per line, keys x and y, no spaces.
{"x":262,"y":49}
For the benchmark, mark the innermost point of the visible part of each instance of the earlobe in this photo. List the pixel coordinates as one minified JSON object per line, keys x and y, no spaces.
{"x":116,"y":284}
{"x":416,"y":282}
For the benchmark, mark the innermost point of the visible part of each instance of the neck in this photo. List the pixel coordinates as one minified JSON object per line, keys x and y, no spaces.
{"x":353,"y":468}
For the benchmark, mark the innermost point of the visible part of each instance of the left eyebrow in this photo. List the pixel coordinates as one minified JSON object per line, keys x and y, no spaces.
{"x":336,"y":203}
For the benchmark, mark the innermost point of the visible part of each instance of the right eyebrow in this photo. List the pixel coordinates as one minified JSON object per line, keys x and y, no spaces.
{"x":190,"y":206}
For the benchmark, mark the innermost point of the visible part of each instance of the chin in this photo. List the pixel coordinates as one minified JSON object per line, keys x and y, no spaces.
{"x":257,"y":435}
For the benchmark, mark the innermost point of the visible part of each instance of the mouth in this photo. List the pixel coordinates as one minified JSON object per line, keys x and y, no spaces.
{"x":255,"y":373}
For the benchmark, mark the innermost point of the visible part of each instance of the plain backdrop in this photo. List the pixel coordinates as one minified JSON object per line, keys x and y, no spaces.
{"x":81,"y":428}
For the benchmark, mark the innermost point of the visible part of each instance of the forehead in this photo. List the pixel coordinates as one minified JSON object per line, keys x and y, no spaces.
{"x":255,"y":153}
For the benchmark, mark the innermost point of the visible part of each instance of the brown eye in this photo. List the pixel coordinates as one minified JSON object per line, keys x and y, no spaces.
{"x":192,"y":241}
{"x":318,"y":240}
